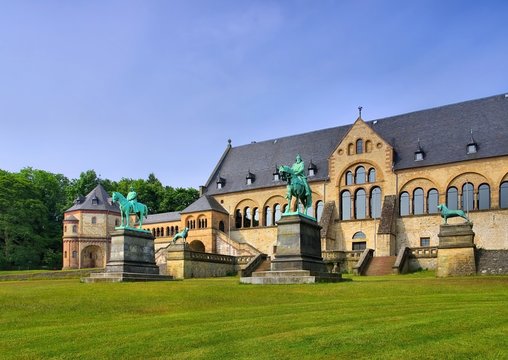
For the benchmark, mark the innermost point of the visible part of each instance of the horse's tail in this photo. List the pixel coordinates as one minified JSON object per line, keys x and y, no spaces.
{"x":146,"y":212}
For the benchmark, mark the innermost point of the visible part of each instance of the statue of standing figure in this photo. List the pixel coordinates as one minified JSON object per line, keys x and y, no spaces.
{"x":297,"y":184}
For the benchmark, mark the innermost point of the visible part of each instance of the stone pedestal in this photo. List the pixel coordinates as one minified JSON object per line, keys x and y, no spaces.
{"x":456,"y":255}
{"x":297,"y":257}
{"x":132,"y":258}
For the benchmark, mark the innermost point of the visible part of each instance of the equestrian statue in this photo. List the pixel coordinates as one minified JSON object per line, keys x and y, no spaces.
{"x":297,"y":185}
{"x":128,"y":206}
{"x":447,"y":213}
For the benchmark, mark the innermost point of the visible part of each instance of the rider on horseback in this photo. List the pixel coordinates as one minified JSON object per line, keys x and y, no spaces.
{"x":132,"y":198}
{"x":299,"y":170}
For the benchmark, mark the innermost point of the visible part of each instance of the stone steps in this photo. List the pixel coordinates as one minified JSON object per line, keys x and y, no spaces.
{"x":381,"y":265}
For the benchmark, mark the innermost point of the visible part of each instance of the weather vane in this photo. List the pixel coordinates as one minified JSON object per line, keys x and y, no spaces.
{"x":360,"y":111}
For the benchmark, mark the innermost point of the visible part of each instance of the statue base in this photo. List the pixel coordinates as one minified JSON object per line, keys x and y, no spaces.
{"x":132,"y":258}
{"x":456,"y":255}
{"x":297,"y":259}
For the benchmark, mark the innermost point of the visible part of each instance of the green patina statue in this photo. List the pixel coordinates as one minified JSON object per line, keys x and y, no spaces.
{"x":129,"y":206}
{"x":447,"y":213}
{"x":181,"y":235}
{"x":297,"y":185}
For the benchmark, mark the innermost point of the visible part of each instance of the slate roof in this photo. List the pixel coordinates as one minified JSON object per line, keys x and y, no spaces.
{"x":204,"y":203}
{"x":444,"y":133}
{"x":103,"y":201}
{"x":162,"y":217}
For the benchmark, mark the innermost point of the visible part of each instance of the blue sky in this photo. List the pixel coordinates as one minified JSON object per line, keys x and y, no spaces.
{"x":132,"y":87}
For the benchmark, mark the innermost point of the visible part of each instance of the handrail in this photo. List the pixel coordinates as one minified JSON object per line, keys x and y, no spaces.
{"x":253,"y":265}
{"x":361,"y":265}
{"x":400,"y":265}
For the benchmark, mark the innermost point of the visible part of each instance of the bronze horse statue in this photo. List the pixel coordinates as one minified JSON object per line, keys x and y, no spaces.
{"x":296,"y":188}
{"x":127,"y":208}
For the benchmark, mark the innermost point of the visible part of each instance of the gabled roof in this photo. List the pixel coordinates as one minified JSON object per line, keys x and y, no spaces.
{"x":162,"y":217}
{"x":261,"y":158}
{"x":204,"y":203}
{"x":444,"y":133}
{"x":101,"y":201}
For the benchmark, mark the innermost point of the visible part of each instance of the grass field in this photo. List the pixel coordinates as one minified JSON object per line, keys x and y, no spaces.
{"x":393,"y":317}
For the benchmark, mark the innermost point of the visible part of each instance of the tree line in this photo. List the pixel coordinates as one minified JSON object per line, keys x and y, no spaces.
{"x":32,"y":204}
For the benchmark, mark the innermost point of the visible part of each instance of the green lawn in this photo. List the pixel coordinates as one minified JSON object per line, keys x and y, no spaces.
{"x":393,"y":317}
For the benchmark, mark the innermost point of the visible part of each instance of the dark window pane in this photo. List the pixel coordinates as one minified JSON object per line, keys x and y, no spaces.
{"x":484,"y":197}
{"x":432,"y":201}
{"x":404,"y":204}
{"x":319,"y":210}
{"x":268,"y":216}
{"x":359,"y":146}
{"x":360,"y":204}
{"x":503,"y":196}
{"x":360,"y":175}
{"x":372,"y":175}
{"x":375,"y":203}
{"x":418,"y":201}
{"x":467,"y":197}
{"x":452,"y":198}
{"x":345,"y":205}
{"x":360,"y":245}
{"x":349,"y":178}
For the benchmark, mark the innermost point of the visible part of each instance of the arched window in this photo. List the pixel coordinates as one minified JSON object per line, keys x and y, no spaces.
{"x":483,"y":197}
{"x":221,"y":226}
{"x":238,"y":219}
{"x":162,"y":231}
{"x":467,"y":202}
{"x":117,"y":222}
{"x":172,"y":230}
{"x":74,"y":254}
{"x":349,"y":178}
{"x":375,"y":202}
{"x":247,"y":217}
{"x":176,"y":229}
{"x":267,"y":216}
{"x":372,"y":175}
{"x":94,"y":220}
{"x":418,"y":201}
{"x":404,"y":203}
{"x":319,"y":210}
{"x":153,"y":232}
{"x":74,"y":228}
{"x":503,"y":195}
{"x":345,"y":205}
{"x":359,"y":146}
{"x":360,"y":175}
{"x":359,"y":235}
{"x":158,"y":232}
{"x":168,"y":231}
{"x":350,"y":149}
{"x":360,"y":204}
{"x":255,"y":218}
{"x":432,"y":201}
{"x":276,"y":213}
{"x":452,"y":198}
{"x":65,"y":228}
{"x":358,"y":244}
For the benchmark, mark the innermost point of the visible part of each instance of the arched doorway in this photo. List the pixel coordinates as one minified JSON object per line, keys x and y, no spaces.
{"x":197,"y":245}
{"x":92,"y":256}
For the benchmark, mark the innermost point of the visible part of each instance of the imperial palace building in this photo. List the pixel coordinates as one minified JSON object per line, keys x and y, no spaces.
{"x":375,"y":185}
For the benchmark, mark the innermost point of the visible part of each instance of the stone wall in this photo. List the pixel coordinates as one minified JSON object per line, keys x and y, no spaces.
{"x":491,"y":262}
{"x":181,"y":263}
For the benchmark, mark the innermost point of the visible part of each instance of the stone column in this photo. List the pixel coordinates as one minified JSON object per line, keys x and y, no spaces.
{"x":456,"y":250}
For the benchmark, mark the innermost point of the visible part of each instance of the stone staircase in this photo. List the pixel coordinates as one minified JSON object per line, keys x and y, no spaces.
{"x":380,"y":265}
